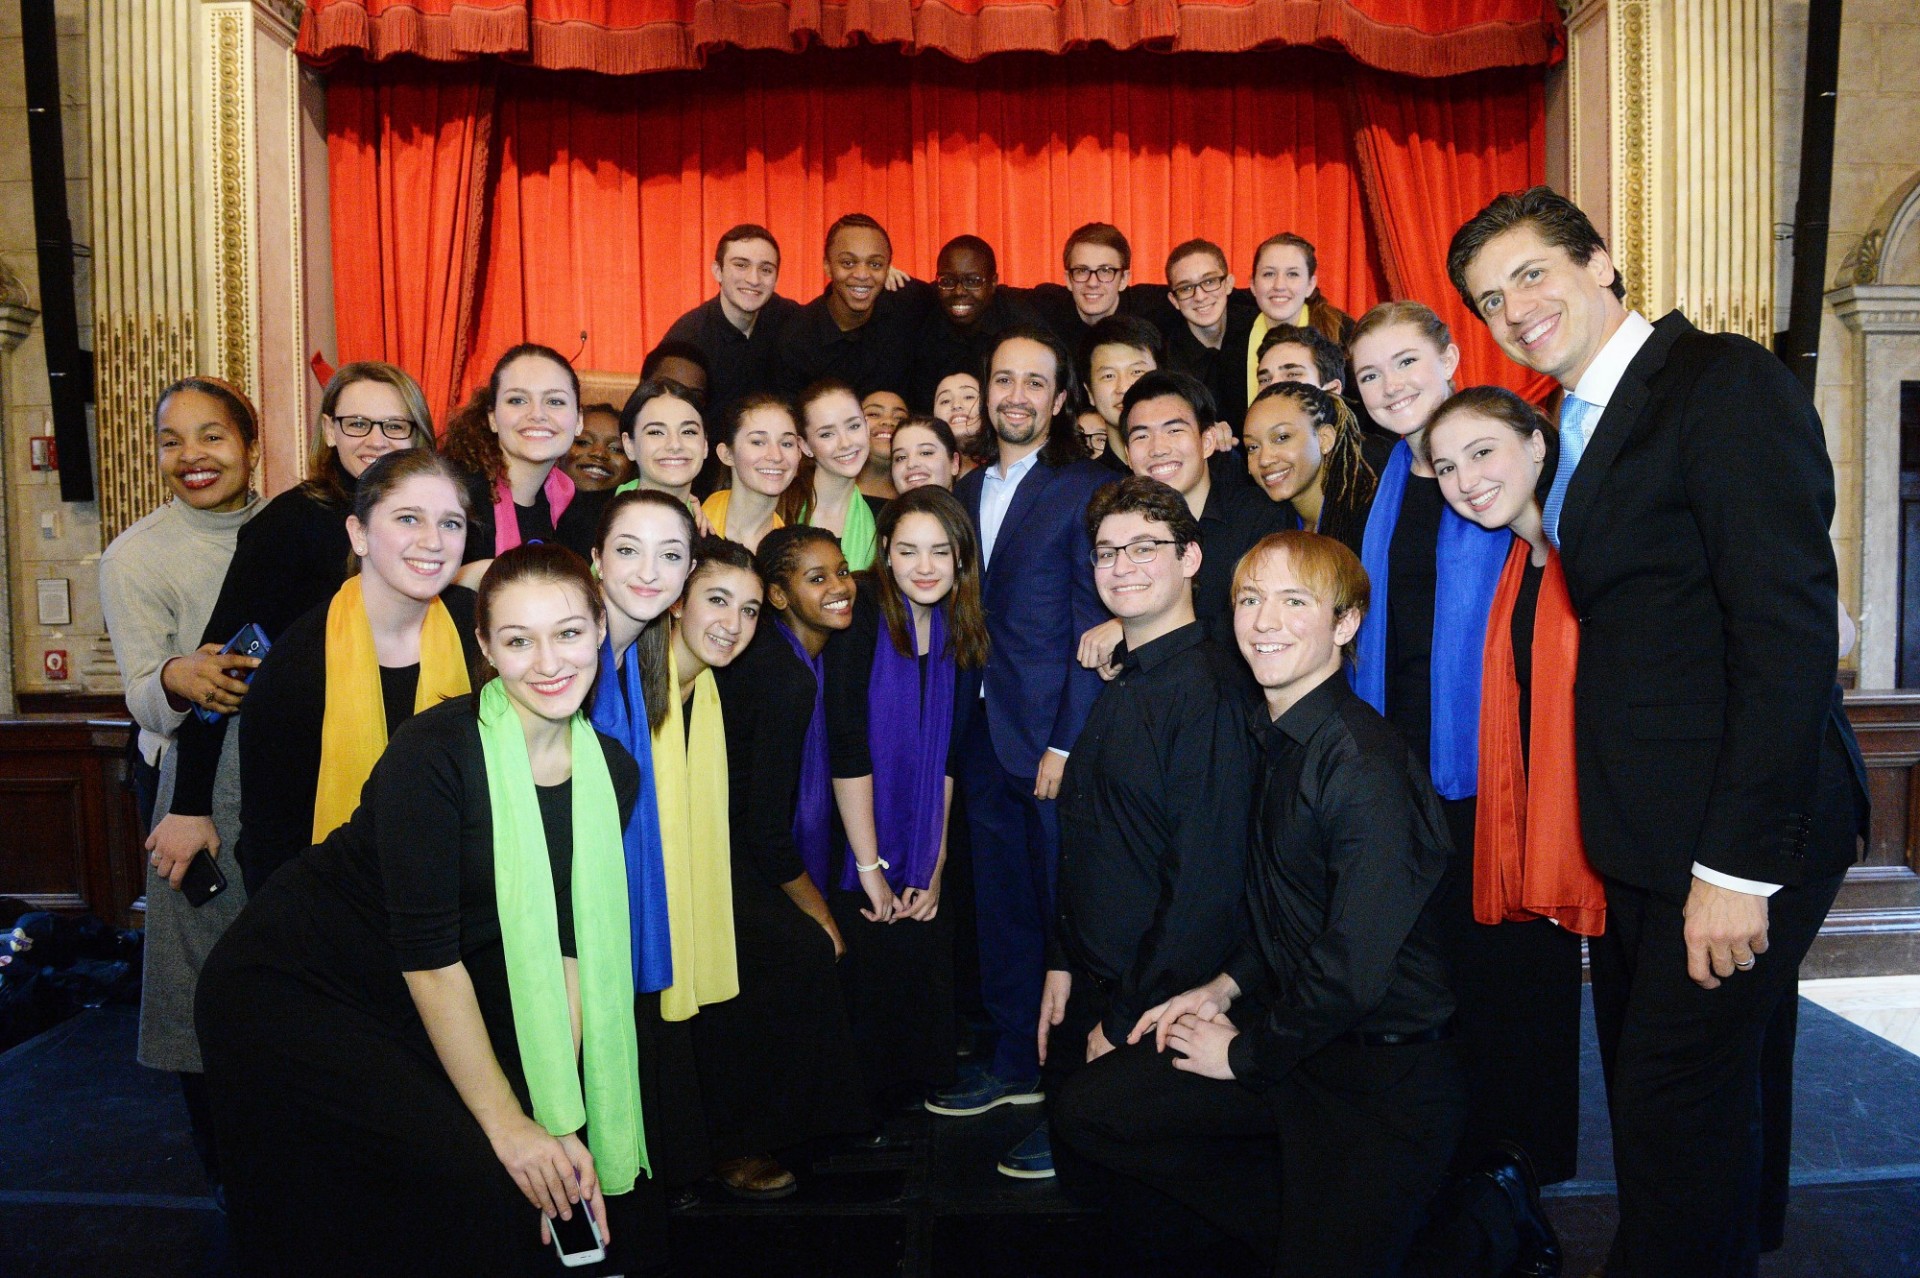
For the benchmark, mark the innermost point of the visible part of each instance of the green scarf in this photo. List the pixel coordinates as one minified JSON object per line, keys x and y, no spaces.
{"x":858,"y":540}
{"x":530,"y":932}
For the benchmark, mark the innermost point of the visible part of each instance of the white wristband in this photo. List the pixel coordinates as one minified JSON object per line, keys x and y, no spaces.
{"x":878,"y":864}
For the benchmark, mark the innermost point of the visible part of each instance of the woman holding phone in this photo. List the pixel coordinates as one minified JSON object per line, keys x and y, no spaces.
{"x":422,"y":1030}
{"x":899,"y":681}
{"x":158,"y":583}
{"x":288,"y":560}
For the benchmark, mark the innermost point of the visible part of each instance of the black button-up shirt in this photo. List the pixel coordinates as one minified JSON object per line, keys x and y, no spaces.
{"x":1153,"y":826}
{"x":943,"y":347}
{"x":1237,"y":515}
{"x":876,"y":356}
{"x":1349,"y":846}
{"x":738,"y":364}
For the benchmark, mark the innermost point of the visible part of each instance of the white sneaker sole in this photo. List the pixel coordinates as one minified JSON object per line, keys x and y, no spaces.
{"x":1013,"y":1098}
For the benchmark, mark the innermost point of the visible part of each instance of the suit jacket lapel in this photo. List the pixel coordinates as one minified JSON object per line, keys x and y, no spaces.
{"x":1031,"y":486}
{"x":1614,"y":426}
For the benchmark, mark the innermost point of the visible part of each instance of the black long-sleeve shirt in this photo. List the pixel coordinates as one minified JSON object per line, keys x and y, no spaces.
{"x":942,"y":347}
{"x":280,"y":735}
{"x":878,"y":355}
{"x":738,"y":364}
{"x":1236,"y":516}
{"x":1224,"y":367}
{"x":1153,"y":826}
{"x":766,"y":699}
{"x":1349,"y":846}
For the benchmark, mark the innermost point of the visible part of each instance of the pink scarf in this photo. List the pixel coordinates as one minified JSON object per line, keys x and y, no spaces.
{"x":506,"y":520}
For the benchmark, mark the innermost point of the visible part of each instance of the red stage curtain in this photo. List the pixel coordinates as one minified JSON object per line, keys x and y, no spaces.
{"x":408,"y":162}
{"x":605,"y":197}
{"x":624,"y":37}
{"x":608,"y":206}
{"x":1431,"y":154}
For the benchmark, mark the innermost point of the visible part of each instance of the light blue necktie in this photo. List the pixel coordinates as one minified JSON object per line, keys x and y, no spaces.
{"x":1574,"y":414}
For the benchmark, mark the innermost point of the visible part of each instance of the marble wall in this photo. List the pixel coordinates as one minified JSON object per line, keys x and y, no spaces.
{"x":47,"y":538}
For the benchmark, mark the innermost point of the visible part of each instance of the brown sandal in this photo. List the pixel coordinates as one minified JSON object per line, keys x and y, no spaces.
{"x":756,"y":1177}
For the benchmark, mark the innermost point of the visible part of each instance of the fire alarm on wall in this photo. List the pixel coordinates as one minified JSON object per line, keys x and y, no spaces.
{"x":42,"y":453}
{"x":54,"y":662}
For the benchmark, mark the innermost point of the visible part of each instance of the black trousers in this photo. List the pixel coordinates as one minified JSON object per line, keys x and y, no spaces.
{"x":1685,"y":1069}
{"x":1328,"y":1173}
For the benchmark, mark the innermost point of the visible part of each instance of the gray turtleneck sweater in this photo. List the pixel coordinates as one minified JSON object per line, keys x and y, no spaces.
{"x":158,"y":583}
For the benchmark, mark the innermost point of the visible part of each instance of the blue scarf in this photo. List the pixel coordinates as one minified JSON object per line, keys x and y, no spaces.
{"x":1468,"y":565}
{"x":620,"y":711}
{"x":813,"y":807}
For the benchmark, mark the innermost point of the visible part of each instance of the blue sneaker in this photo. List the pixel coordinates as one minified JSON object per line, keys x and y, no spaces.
{"x":981,"y":1092}
{"x":1031,"y":1159}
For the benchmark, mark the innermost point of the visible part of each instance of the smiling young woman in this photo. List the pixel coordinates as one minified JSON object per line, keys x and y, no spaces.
{"x":779,"y":1059}
{"x":383,"y":1028}
{"x":898,"y":684}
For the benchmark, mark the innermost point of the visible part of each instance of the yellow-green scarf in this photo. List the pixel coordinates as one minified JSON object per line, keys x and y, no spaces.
{"x":530,"y":933}
{"x":353,"y":731}
{"x":690,"y":780}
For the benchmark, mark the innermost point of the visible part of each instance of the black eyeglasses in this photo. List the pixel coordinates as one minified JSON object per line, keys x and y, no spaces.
{"x":1143,"y":551}
{"x":952,"y":283}
{"x":361,"y":427}
{"x":1211,"y":284}
{"x":1081,"y":274}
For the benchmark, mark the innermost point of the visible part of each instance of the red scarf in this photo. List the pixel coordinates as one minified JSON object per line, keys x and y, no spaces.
{"x":1529,"y":860}
{"x":506,"y":519}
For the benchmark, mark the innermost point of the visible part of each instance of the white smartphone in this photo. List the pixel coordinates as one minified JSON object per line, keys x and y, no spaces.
{"x":577,"y":1242}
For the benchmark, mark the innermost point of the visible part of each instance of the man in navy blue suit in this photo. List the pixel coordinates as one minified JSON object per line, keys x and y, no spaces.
{"x":1030,"y":511}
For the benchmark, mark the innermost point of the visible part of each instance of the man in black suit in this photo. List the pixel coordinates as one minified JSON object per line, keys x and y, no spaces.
{"x":1720,"y":794}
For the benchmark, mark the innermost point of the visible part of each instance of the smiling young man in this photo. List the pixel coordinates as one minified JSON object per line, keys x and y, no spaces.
{"x":974,"y":309}
{"x":1338,"y":1037}
{"x":739,"y":329}
{"x":1152,"y":850}
{"x":1029,"y":508}
{"x":1210,"y":342}
{"x":857,"y":330}
{"x":1164,"y":418}
{"x":1720,"y":788}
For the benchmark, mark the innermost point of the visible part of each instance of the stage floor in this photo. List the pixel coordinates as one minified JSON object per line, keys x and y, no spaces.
{"x":100,"y":1179}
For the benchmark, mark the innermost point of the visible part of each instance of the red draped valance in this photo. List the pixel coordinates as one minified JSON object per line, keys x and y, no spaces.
{"x":624,"y":37}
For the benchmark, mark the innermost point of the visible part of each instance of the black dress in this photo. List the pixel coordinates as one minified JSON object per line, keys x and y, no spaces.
{"x":1517,"y":984}
{"x":280,"y":735}
{"x":898,"y":977}
{"x":347,"y":1148}
{"x":777,"y":1062}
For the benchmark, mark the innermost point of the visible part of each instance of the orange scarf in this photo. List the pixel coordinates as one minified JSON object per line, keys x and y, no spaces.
{"x":1529,"y":860}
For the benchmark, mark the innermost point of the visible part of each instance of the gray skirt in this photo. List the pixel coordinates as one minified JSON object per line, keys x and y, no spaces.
{"x":180,"y":936}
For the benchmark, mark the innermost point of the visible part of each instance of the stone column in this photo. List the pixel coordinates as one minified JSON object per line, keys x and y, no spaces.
{"x":16,"y":318}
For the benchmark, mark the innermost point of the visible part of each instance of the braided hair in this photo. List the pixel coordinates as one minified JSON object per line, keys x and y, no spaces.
{"x":1347,"y":481}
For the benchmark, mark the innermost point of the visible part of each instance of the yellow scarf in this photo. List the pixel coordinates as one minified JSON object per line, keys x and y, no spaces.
{"x":690,"y":782}
{"x":353,"y":734}
{"x":715,"y":508}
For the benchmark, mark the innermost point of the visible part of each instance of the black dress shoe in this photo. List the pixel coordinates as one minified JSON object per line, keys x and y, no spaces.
{"x":1511,"y":1172}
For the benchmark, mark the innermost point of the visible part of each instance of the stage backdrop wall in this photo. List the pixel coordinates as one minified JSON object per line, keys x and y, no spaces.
{"x":477,"y":206}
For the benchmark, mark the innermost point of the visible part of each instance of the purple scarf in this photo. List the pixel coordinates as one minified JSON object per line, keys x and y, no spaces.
{"x":907,"y":737}
{"x":813,"y":809}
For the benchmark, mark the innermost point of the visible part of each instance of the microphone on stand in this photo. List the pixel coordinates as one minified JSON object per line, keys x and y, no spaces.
{"x":583,"y":348}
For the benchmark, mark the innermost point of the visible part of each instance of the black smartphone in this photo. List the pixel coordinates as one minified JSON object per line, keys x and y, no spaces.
{"x":250,"y":642}
{"x":203,"y":880}
{"x":577,"y":1241}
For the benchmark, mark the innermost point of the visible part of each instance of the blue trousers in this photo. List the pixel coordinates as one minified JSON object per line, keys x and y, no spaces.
{"x":1016,"y":855}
